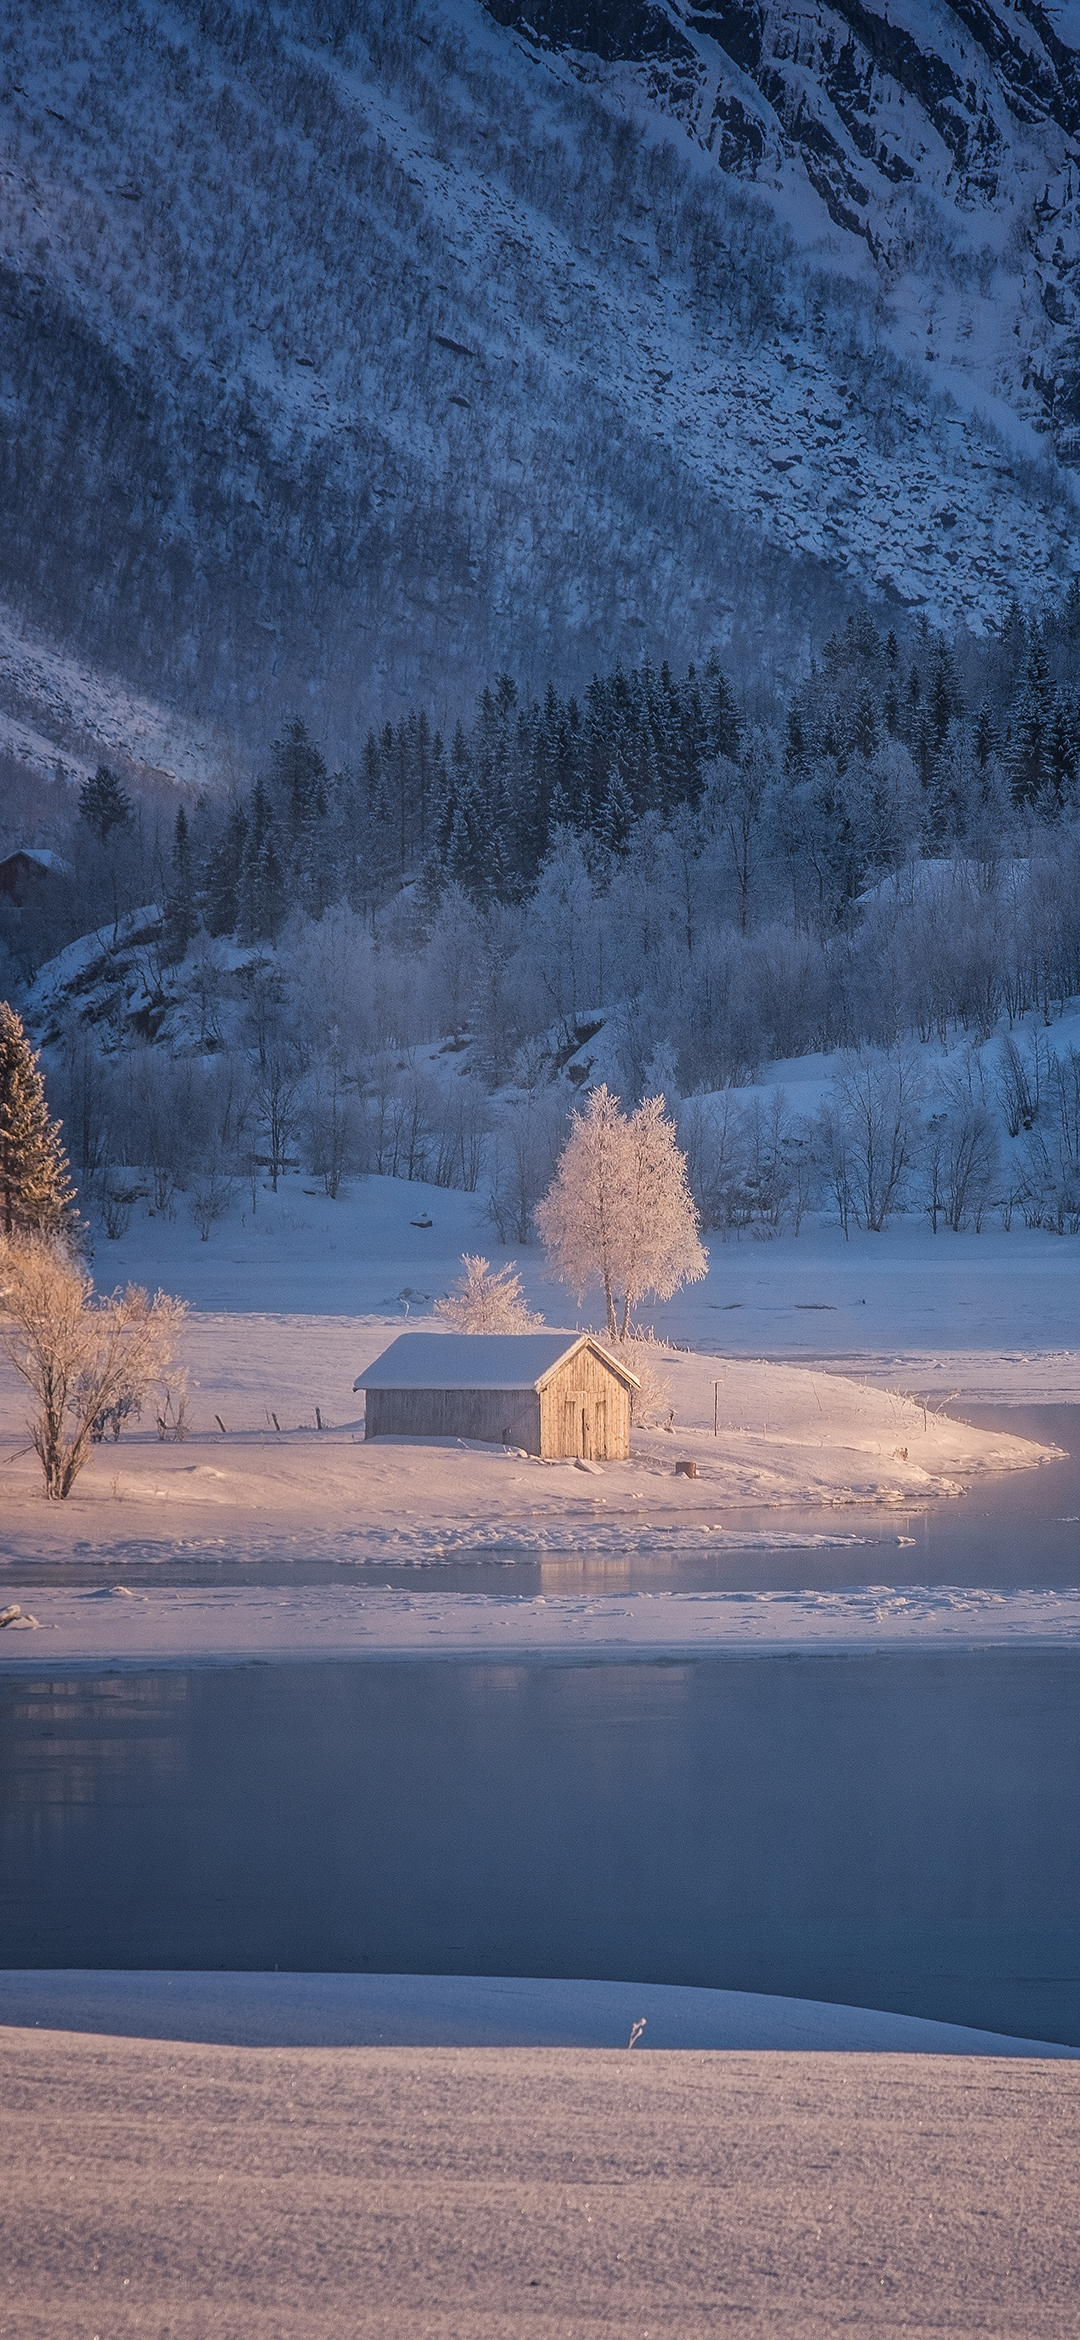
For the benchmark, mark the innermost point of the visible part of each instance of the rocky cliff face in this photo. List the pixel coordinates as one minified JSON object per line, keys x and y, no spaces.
{"x":941,"y":143}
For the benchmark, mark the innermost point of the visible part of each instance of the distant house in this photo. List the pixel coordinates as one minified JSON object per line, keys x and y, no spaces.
{"x":27,"y":870}
{"x":552,"y":1393}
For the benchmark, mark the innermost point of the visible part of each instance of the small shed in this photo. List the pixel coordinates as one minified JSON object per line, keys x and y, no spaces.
{"x":552,"y":1393}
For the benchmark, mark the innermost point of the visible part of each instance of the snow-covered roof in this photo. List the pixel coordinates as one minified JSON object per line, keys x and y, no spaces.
{"x":41,"y":856}
{"x":430,"y":1360}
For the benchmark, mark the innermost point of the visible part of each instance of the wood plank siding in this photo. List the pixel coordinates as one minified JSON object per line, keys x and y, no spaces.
{"x":585,"y":1410}
{"x":500,"y":1417}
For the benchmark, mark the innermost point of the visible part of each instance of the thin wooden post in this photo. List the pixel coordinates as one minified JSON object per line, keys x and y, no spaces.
{"x":716,"y":1409}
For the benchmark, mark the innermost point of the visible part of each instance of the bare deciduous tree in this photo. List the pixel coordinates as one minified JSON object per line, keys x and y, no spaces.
{"x":81,"y":1356}
{"x":876,"y":1113}
{"x":211,"y":1197}
{"x":619,"y":1212}
{"x":276,"y":1095}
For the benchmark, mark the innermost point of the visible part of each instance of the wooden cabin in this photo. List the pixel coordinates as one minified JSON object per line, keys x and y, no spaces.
{"x":553,"y":1393}
{"x":27,"y":871}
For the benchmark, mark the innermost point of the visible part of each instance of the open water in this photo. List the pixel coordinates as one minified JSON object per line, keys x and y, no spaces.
{"x":897,"y":1829}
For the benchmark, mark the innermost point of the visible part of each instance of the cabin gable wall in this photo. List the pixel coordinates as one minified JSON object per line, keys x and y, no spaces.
{"x":585,"y":1411}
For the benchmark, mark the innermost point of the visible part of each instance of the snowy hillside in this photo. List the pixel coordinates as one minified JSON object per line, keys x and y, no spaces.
{"x":58,"y":715}
{"x":347,"y":364}
{"x":942,"y":143}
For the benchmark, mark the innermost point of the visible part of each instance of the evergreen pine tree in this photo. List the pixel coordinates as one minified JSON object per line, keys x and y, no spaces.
{"x":458,"y":790}
{"x":985,"y":739}
{"x":795,"y":742}
{"x":945,"y":698}
{"x":420,"y":748}
{"x":864,"y":724}
{"x":1062,"y":745}
{"x":1014,"y":636}
{"x":616,"y":813}
{"x":36,"y":1194}
{"x":224,"y":872}
{"x":1026,"y":756}
{"x":437,"y":796}
{"x":262,"y":885}
{"x":721,"y":712}
{"x":300,"y":773}
{"x":469,"y":854}
{"x":104,"y":804}
{"x":181,"y":915}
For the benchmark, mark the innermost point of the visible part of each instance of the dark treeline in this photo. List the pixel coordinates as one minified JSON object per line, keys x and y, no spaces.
{"x":480,"y":811}
{"x":881,"y":753}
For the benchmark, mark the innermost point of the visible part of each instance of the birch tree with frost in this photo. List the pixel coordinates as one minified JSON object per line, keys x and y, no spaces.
{"x":619,"y":1212}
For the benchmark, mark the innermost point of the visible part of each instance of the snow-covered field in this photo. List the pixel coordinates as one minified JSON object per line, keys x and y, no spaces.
{"x":990,"y":1315}
{"x":258,"y":1480}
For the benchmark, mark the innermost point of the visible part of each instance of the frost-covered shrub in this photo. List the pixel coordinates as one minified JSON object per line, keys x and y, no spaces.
{"x":486,"y":1299}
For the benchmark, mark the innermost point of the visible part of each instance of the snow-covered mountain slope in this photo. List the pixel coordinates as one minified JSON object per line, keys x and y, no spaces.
{"x":941,"y":142}
{"x":60,"y":714}
{"x":351,"y":355}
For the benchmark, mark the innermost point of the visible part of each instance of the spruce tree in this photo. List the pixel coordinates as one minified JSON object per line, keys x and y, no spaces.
{"x":224,"y":874}
{"x":104,"y":804}
{"x":300,"y":773}
{"x":36,"y":1194}
{"x":181,"y":914}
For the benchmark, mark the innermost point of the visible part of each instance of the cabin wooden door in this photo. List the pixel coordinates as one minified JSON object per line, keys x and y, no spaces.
{"x":580,"y":1420}
{"x":593,"y":1428}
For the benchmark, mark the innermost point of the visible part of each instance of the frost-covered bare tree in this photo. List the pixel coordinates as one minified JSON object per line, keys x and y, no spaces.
{"x":876,"y":1105}
{"x":80,"y":1356}
{"x":619,"y":1212}
{"x":526,"y":1140}
{"x":962,"y":1157}
{"x":737,"y":795}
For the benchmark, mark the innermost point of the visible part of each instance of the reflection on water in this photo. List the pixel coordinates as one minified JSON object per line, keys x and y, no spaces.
{"x":898,"y":1829}
{"x":60,"y":1753}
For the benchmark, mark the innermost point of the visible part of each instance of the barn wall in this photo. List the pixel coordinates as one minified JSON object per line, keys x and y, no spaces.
{"x":585,"y":1387}
{"x":500,"y":1417}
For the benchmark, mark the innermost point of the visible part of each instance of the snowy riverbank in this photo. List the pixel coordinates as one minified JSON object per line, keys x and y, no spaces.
{"x":463,"y":2011}
{"x":127,"y":1631}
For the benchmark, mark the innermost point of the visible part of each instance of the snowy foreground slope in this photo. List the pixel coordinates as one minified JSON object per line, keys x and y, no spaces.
{"x":281,"y":1490}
